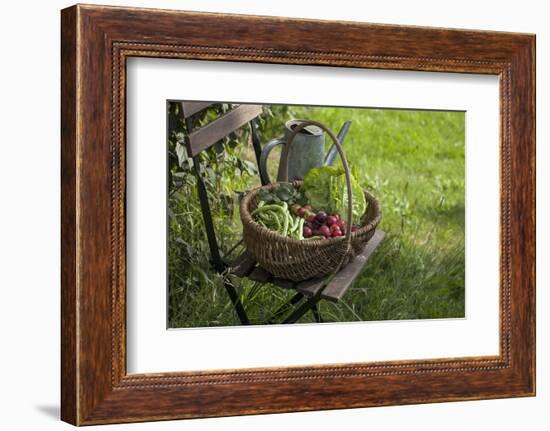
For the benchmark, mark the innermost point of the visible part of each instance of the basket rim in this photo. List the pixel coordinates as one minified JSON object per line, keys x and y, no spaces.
{"x":246,"y":218}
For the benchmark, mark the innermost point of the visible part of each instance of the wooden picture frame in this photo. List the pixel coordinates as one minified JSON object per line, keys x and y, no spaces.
{"x":95,"y":43}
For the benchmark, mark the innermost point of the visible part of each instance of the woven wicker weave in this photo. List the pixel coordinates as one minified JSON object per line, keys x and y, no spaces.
{"x":299,"y":260}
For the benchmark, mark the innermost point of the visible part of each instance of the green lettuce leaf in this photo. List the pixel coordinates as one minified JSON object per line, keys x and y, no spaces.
{"x":325,"y":188}
{"x":339,"y":198}
{"x":317,"y":186}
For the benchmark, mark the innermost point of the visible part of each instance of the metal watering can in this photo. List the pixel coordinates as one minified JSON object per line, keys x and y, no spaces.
{"x":307,"y":151}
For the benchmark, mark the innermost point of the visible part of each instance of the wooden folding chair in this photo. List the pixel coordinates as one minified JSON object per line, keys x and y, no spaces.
{"x":308,"y":293}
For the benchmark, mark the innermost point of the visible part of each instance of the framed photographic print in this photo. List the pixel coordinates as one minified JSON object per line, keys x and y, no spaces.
{"x":267,"y":215}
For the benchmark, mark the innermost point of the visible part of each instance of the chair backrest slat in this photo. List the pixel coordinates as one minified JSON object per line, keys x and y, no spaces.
{"x":191,"y":108}
{"x":203,"y":138}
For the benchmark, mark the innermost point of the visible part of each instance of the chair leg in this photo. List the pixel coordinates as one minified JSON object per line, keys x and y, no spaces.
{"x":283,"y":308}
{"x":237,"y":304}
{"x":302,"y":309}
{"x":257,"y":148}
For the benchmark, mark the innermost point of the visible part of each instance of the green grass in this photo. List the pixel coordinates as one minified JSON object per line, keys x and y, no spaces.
{"x":413,"y":161}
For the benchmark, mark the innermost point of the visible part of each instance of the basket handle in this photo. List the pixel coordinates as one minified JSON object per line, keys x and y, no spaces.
{"x":284,"y":166}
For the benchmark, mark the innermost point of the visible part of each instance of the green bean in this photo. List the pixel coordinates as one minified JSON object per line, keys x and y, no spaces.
{"x":290,"y":225}
{"x":301,"y":229}
{"x":274,"y":220}
{"x":295,"y":223}
{"x":285,"y":223}
{"x":268,"y":208}
{"x":265,"y":215}
{"x":298,"y":230}
{"x":286,"y":219}
{"x":293,"y":228}
{"x":270,"y":214}
{"x":277,"y":217}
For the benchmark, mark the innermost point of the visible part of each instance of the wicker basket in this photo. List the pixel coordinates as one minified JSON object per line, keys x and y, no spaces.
{"x":299,"y":260}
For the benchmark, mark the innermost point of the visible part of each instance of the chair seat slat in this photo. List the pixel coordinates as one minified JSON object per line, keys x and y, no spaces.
{"x":259,"y":274}
{"x":344,"y":278}
{"x":243,"y":265}
{"x":310,"y":287}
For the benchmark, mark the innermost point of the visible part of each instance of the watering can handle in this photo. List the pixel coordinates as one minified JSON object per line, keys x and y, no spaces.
{"x":264,"y":156}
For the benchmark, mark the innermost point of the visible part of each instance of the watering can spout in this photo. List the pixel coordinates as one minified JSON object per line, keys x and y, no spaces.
{"x":333,"y":151}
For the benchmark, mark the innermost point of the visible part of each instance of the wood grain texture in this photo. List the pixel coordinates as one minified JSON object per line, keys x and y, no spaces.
{"x":191,"y":108}
{"x":96,"y":41}
{"x":339,"y":285}
{"x":69,"y":394}
{"x":310,"y":287}
{"x":201,"y":139}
